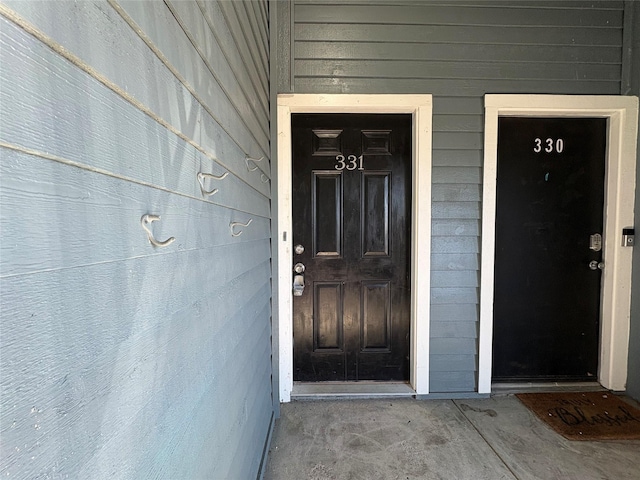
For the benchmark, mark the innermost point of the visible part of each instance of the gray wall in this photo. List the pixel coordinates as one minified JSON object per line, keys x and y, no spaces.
{"x":457,"y":52}
{"x":632,"y":87}
{"x":120,"y":359}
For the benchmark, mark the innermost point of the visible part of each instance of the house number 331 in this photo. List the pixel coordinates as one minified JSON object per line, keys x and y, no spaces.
{"x":549,"y":145}
{"x":350,"y":163}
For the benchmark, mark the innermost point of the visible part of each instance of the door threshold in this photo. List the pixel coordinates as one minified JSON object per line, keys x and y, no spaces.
{"x":327,"y":390}
{"x":506,"y":388}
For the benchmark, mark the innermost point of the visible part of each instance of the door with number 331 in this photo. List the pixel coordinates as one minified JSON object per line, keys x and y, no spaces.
{"x":351,"y":231}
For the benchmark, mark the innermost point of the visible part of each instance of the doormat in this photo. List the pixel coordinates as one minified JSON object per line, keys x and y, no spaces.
{"x":585,"y":415}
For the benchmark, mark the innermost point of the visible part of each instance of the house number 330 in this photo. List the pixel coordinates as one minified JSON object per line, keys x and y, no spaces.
{"x":350,"y":163}
{"x":549,"y":145}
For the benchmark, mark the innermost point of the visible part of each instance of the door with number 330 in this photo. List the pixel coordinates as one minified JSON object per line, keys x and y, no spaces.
{"x":549,"y":220}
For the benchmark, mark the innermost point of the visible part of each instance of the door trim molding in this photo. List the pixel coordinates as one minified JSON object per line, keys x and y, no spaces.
{"x":620,"y":176}
{"x":420,"y":106}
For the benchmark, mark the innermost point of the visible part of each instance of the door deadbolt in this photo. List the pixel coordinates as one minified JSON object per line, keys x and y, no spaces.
{"x":298,"y":249}
{"x":299,"y":268}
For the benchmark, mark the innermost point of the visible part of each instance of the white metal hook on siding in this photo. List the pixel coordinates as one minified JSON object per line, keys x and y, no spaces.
{"x":202,"y":176}
{"x":255,"y":161}
{"x":146,"y":219}
{"x":234,"y":225}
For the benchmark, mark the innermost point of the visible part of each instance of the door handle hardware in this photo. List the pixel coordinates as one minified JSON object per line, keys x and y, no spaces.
{"x":595,"y":265}
{"x":595,"y":242}
{"x":146,"y":219}
{"x":298,"y":285}
{"x":298,"y":249}
{"x":202,"y":176}
{"x":298,"y":279}
{"x":234,"y":225}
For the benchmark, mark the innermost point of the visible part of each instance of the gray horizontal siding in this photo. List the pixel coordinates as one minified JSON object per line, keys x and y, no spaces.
{"x":457,"y":158}
{"x":101,"y":218}
{"x":446,"y":363}
{"x":151,"y":325}
{"x":147,"y":152}
{"x":454,"y":313}
{"x":474,"y":70}
{"x":451,"y":345}
{"x":119,"y":359}
{"x":455,"y":279}
{"x":455,"y":244}
{"x":403,"y":33}
{"x":455,"y":261}
{"x":533,"y":14}
{"x":461,"y":210}
{"x":456,"y":226}
{"x":451,"y":192}
{"x":184,"y":93}
{"x":457,"y":51}
{"x":462,"y":87}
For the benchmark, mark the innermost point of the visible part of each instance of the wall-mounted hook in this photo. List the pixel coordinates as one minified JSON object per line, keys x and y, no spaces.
{"x":233,"y":225}
{"x":202,"y":176}
{"x":255,"y":161}
{"x":146,"y":219}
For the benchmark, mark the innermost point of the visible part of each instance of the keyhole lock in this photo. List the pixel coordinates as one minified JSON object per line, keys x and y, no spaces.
{"x":298,"y":249}
{"x":299,"y":268}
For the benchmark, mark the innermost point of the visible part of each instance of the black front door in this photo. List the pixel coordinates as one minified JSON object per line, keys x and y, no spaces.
{"x":550,"y":203}
{"x":351,"y":229}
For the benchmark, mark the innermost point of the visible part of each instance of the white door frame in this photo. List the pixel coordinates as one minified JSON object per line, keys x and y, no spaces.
{"x":420,"y":106}
{"x":620,"y":177}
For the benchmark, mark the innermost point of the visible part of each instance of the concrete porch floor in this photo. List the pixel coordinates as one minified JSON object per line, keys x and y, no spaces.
{"x":401,"y":438}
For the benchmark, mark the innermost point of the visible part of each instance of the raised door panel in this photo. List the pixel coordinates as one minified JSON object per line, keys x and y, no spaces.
{"x":326,"y":219}
{"x":327,"y":317}
{"x":375,"y":213}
